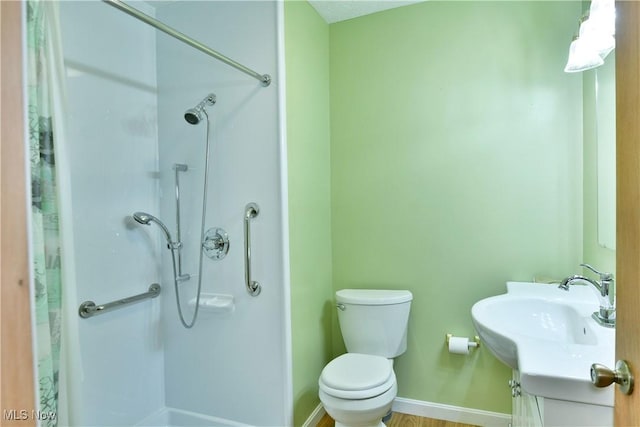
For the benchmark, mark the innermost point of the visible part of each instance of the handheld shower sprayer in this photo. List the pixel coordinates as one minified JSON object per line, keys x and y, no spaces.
{"x":146,"y":219}
{"x":194,"y":115}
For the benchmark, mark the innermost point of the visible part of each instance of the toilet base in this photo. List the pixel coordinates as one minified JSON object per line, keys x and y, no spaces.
{"x":359,"y":413}
{"x":380,"y":424}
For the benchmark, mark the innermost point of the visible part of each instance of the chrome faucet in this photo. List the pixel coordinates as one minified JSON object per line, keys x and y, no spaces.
{"x":606,"y":316}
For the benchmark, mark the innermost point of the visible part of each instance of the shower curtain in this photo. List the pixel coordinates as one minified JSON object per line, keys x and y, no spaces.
{"x":44,"y":204}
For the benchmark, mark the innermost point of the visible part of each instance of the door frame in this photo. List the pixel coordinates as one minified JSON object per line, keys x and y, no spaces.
{"x":17,"y":392}
{"x":627,"y":408}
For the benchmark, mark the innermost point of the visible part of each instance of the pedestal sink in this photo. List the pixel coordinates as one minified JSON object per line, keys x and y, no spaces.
{"x":548,"y":335}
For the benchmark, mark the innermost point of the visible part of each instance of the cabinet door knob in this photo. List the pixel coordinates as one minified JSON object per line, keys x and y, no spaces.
{"x":601,"y":376}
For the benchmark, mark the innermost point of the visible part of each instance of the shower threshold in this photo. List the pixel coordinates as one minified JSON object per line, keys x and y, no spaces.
{"x":171,"y":417}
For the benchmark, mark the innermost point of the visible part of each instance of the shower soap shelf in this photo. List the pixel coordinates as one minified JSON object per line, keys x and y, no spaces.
{"x":214,"y":303}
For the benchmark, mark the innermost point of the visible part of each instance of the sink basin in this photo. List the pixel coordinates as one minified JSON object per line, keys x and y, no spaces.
{"x":549,"y":336}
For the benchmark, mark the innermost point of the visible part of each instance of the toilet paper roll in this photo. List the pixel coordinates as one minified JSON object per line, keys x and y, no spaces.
{"x":459,"y":345}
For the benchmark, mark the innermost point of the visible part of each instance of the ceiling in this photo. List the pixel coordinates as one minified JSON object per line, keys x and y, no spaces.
{"x":331,"y":10}
{"x":341,"y":10}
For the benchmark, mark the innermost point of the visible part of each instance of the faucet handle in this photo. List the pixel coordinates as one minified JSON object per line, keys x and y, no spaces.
{"x":603,"y":276}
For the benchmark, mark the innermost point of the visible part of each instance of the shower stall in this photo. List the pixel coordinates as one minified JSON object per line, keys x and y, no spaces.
{"x":127,"y":154}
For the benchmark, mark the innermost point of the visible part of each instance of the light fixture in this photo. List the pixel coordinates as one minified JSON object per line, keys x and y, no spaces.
{"x":595,"y":39}
{"x":581,"y":57}
{"x":603,"y":15}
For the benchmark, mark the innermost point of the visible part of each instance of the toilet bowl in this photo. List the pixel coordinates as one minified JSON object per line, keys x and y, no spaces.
{"x":357,"y":389}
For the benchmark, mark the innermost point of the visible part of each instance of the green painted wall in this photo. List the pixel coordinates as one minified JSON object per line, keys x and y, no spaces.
{"x":453,"y":169}
{"x":456,"y":165}
{"x":307,"y":79}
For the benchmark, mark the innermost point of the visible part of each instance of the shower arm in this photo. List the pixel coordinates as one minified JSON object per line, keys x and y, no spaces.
{"x":265,"y":79}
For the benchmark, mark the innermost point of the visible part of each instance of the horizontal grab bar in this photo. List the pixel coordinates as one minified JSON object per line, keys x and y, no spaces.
{"x":89,"y":308}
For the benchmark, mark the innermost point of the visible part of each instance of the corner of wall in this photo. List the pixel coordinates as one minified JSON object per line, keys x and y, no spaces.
{"x":308,"y":159}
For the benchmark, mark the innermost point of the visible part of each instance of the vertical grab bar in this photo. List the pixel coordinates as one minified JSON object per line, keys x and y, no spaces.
{"x":250,"y":211}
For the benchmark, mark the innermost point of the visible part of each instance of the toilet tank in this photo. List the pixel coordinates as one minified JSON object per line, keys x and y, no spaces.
{"x":374,"y":321}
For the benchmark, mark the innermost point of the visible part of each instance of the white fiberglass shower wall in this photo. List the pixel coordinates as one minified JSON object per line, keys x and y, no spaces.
{"x":112,"y":363}
{"x":232,"y":365}
{"x":128,"y":88}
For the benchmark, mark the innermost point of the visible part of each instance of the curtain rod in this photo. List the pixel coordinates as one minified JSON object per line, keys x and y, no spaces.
{"x":265,"y":79}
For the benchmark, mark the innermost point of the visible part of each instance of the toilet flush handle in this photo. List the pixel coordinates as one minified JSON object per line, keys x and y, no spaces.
{"x":341,"y":307}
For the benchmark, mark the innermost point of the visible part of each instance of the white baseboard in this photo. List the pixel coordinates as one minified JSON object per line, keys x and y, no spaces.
{"x":458,"y":414}
{"x":315,"y":416}
{"x":437,"y":411}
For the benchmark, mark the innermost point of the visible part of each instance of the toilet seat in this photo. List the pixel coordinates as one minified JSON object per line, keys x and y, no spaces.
{"x":357,"y":376}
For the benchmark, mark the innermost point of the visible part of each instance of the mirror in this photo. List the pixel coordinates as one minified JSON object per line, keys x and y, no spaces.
{"x":605,"y":77}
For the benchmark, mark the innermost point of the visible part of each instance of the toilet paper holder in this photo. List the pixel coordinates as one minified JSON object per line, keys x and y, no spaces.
{"x":472,"y":343}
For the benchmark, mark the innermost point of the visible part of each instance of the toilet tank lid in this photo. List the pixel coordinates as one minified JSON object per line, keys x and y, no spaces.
{"x":373,"y":296}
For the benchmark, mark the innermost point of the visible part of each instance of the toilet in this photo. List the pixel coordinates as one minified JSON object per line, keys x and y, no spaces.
{"x":357,"y":388}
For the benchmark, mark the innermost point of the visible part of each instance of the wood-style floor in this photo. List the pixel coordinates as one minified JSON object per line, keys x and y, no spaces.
{"x":403,"y":420}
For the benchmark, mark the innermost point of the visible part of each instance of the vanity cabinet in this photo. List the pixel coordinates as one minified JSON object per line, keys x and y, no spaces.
{"x":536,"y":411}
{"x":527,"y":410}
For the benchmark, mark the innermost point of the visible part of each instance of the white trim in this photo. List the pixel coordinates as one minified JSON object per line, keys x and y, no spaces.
{"x":436,"y":411}
{"x":458,"y":414}
{"x":315,"y":416}
{"x":280,"y":81}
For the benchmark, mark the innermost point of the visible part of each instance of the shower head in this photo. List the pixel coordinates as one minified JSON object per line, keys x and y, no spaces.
{"x":146,"y":219}
{"x":194,"y":115}
{"x":142,"y":217}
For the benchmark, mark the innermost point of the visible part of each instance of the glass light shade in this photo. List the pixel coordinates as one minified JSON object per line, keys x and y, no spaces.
{"x":597,"y":37}
{"x":582,"y":57}
{"x":602,"y":13}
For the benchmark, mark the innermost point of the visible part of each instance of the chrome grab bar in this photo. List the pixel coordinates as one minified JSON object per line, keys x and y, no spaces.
{"x":89,"y":308}
{"x":250,"y":211}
